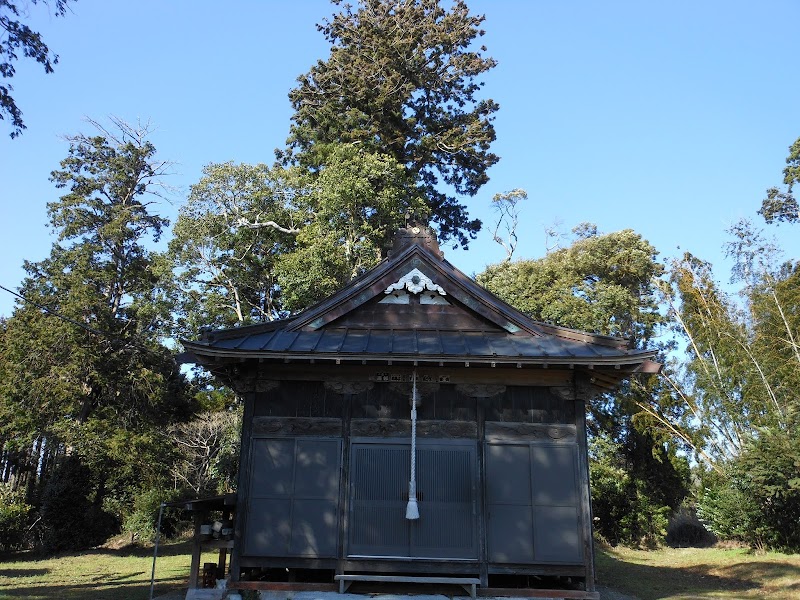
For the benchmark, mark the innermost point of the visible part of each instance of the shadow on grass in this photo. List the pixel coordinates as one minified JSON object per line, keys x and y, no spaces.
{"x":127,"y":585}
{"x":134,"y":590}
{"x":173,"y":548}
{"x":654,"y":582}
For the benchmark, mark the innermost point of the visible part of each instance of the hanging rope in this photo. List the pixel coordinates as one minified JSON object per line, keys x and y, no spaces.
{"x":412,"y":510}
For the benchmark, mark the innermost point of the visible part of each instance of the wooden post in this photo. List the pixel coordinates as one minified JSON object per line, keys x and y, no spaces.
{"x":480,"y":412}
{"x":583,"y":392}
{"x":344,"y":483}
{"x":194,"y":572}
{"x":223,"y":552}
{"x":243,"y":485}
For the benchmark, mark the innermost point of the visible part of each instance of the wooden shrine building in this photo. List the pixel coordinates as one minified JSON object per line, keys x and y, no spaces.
{"x":500,"y":463}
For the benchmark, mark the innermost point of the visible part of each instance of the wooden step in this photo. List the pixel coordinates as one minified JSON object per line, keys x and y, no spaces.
{"x":468,"y":583}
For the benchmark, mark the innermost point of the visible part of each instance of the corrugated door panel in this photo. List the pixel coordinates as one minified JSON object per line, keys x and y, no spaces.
{"x":293,"y":507}
{"x":446,"y":490}
{"x":446,"y":476}
{"x":379,"y":491}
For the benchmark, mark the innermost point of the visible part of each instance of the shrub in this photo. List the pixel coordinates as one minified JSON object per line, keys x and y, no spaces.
{"x":685,"y":530}
{"x":624,"y":513}
{"x":70,"y":520}
{"x":14,"y":517}
{"x":142,"y":521}
{"x":757,"y":499}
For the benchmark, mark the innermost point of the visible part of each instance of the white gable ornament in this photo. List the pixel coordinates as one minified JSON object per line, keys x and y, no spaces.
{"x":415,"y":281}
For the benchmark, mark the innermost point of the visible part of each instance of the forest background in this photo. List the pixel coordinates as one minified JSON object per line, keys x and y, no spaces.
{"x":100,"y":423}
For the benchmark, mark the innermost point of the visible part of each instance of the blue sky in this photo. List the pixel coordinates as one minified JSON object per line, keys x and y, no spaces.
{"x":670,"y":118}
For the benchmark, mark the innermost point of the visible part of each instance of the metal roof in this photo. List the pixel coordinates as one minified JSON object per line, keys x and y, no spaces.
{"x":325,"y":331}
{"x":415,"y":344}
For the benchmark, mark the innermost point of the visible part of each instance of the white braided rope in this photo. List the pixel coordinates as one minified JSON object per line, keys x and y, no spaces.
{"x":412,"y":510}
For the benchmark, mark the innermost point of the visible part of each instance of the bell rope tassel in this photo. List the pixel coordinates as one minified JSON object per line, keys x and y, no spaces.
{"x":412,"y":510}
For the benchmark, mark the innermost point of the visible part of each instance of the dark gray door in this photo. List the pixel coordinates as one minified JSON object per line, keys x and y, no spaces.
{"x":294,"y":491}
{"x":533,"y":503}
{"x":446,"y":492}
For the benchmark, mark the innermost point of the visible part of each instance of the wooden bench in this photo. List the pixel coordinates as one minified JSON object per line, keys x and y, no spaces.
{"x":468,"y":583}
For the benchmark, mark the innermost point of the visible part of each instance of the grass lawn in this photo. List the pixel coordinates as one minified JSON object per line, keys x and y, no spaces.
{"x":100,"y":574}
{"x":699,"y":573}
{"x":667,"y":574}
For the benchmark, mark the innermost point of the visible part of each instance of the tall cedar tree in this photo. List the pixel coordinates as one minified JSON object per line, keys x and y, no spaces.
{"x":402,"y":79}
{"x":96,"y":383}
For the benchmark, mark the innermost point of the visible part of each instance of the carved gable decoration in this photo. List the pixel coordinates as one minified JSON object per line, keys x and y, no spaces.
{"x":415,"y":282}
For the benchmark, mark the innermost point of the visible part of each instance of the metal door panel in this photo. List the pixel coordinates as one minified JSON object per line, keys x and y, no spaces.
{"x":510,"y":534}
{"x":314,"y":531}
{"x":293,"y":504}
{"x":554,"y":471}
{"x":533,"y":503}
{"x":317,"y":469}
{"x":510,"y":480}
{"x":558,"y":535}
{"x":269,"y":527}
{"x":272,"y":468}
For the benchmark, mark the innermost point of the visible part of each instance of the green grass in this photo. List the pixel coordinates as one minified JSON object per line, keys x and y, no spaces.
{"x":699,"y":573}
{"x":666,"y":574}
{"x":99,"y":574}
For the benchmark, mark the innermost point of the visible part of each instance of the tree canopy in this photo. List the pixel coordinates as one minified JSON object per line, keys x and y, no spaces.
{"x":782,"y":205}
{"x":84,"y":377}
{"x":402,"y":79}
{"x":601,"y":283}
{"x":606,"y":284}
{"x":255,"y":243}
{"x":20,"y":38}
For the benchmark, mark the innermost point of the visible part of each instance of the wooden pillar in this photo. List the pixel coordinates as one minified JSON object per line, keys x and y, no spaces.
{"x":482,"y":511}
{"x":242,"y":488}
{"x":583,"y":394}
{"x":223,"y":552}
{"x":344,"y":483}
{"x":194,"y":571}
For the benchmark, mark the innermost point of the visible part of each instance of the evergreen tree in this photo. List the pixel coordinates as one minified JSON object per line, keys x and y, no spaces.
{"x":606,"y":284}
{"x":83,"y":373}
{"x":402,"y":79}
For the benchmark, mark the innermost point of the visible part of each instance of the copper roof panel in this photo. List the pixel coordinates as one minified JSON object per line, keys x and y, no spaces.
{"x":230,"y":343}
{"x":429,"y":342}
{"x":282,"y":341}
{"x":477,"y":343}
{"x":331,"y":341}
{"x":404,"y":342}
{"x":452,"y":343}
{"x":355,"y":341}
{"x":380,"y":342}
{"x":307,"y":341}
{"x":504,"y":345}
